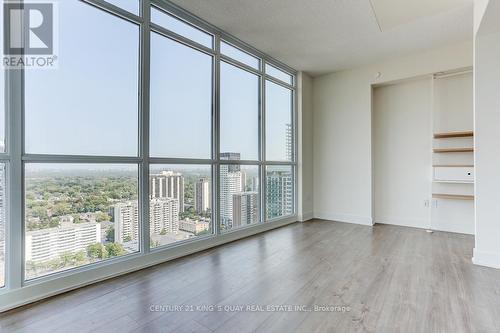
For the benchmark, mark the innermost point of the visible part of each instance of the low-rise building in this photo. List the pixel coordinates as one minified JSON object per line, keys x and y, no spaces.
{"x":194,"y":226}
{"x":47,"y":244}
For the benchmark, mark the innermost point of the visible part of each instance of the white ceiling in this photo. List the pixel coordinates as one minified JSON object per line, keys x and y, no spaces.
{"x":491,"y":21}
{"x":320,"y":36}
{"x":390,"y":13}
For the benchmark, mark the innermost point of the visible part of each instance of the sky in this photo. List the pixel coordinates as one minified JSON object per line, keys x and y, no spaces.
{"x":181,"y":100}
{"x":239,"y":112}
{"x":130,"y":5}
{"x":89,"y":104}
{"x":65,"y":169}
{"x":44,"y":169}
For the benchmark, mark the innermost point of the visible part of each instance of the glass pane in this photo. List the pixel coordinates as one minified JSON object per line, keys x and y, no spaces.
{"x":89,"y":104}
{"x":279,"y":191}
{"x":77,"y":214}
{"x":180,"y":27}
{"x":180,"y":205}
{"x":239,"y":196}
{"x":181,"y":100}
{"x":239,"y":112}
{"x":129,"y":5}
{"x":279,"y":74}
{"x":2,"y":106}
{"x":2,"y":92}
{"x":279,"y":131}
{"x":239,"y":55}
{"x":3,"y":221}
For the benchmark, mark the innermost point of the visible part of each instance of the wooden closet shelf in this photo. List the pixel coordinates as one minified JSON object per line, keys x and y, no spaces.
{"x":453,"y":165}
{"x":453,"y":150}
{"x":453,"y":181}
{"x":446,"y":135}
{"x":452,"y":196}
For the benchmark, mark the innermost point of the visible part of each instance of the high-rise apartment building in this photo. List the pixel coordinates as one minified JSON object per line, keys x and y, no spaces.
{"x":279,"y":194}
{"x":202,"y":199}
{"x":168,"y":184}
{"x":254,"y":184}
{"x":163,"y":217}
{"x":243,"y":181}
{"x":245,"y":209}
{"x":47,"y":244}
{"x":230,"y":184}
{"x":126,"y":217}
{"x":231,"y":157}
{"x":289,"y":142}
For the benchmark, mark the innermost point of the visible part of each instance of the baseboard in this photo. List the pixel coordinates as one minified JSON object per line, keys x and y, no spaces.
{"x":404,"y":222}
{"x":455,"y":231}
{"x":418,"y":223}
{"x":306,"y":216}
{"x":487,"y":259}
{"x":347,"y":218}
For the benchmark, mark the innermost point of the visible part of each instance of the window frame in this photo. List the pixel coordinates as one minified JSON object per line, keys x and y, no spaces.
{"x":226,"y":57}
{"x":15,"y":157}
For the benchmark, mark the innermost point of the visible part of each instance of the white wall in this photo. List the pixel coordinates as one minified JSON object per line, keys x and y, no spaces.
{"x":305,"y":147}
{"x":453,"y":103}
{"x":342,"y":129}
{"x":402,"y":115}
{"x":487,"y":138}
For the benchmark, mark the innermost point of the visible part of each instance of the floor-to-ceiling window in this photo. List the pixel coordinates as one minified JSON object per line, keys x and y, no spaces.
{"x":80,"y":121}
{"x":181,"y":130}
{"x":239,"y":141}
{"x":279,"y":144}
{"x":154,"y":130}
{"x":4,"y":158}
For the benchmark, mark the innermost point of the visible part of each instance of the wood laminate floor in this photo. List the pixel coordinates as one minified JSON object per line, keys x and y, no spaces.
{"x":392,"y":279}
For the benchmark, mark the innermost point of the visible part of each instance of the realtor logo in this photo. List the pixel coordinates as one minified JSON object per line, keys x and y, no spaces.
{"x":29,"y":34}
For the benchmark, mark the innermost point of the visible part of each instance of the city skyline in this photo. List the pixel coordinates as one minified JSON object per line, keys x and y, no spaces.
{"x":239,"y":207}
{"x":121,"y":227}
{"x":180,"y":202}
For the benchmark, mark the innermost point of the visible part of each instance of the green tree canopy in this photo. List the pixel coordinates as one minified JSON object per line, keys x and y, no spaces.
{"x":115,"y":249}
{"x":97,"y":251}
